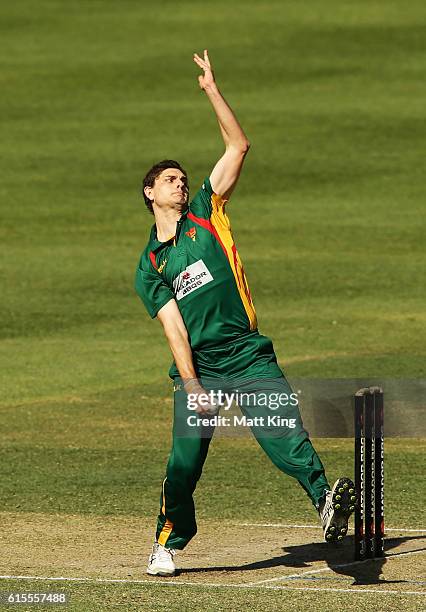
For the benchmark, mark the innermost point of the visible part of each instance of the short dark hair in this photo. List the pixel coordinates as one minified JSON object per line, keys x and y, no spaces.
{"x":152,"y":174}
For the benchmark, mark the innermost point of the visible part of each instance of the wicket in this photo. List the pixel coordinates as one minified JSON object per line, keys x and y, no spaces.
{"x":369,"y":473}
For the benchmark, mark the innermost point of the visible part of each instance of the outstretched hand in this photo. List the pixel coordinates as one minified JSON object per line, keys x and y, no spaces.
{"x":206,"y":79}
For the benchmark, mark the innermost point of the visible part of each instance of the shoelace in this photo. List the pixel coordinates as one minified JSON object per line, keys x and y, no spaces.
{"x":164,"y":553}
{"x":328,"y":508}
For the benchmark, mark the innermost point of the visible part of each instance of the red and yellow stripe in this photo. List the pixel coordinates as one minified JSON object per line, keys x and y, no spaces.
{"x":165,"y":532}
{"x":168,"y":525}
{"x":220,"y":226}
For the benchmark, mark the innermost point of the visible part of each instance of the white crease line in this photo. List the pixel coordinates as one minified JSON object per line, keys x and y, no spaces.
{"x":319,"y":527}
{"x":161,"y":582}
{"x":334,"y":567}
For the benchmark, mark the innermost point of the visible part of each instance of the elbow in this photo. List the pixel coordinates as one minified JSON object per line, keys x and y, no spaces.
{"x":241,"y":148}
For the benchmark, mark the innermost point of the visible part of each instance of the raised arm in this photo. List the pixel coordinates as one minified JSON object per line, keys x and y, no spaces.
{"x":227,"y":170}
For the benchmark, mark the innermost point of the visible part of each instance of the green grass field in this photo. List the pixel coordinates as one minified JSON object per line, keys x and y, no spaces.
{"x":327,"y":218}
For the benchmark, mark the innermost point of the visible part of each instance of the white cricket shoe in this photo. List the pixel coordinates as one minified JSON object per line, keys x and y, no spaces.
{"x":160,"y":561}
{"x":335,"y":511}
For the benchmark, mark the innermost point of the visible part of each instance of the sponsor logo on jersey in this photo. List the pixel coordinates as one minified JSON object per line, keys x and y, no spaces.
{"x":192,"y":278}
{"x":191,"y":233}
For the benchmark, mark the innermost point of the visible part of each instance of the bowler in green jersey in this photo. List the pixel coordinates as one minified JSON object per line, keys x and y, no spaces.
{"x":191,"y":278}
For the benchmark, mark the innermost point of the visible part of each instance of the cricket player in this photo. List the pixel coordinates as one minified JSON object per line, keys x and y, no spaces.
{"x":191,"y":278}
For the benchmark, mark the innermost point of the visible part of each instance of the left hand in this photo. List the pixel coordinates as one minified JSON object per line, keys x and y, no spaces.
{"x":207,"y":79}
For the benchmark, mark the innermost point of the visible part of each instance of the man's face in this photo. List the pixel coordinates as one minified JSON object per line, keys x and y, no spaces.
{"x":170,"y":189}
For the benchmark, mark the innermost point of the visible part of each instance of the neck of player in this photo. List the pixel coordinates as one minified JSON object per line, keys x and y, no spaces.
{"x":165,"y":221}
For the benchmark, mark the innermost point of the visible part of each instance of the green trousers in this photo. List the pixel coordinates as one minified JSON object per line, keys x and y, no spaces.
{"x":245,"y":370}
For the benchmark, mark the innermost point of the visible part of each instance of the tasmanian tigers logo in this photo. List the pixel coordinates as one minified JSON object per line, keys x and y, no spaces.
{"x":191,"y":233}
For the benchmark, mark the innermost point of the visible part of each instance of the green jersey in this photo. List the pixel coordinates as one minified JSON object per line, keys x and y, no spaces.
{"x":200,"y":268}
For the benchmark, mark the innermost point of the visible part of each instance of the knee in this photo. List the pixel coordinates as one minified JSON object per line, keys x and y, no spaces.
{"x":184,"y":475}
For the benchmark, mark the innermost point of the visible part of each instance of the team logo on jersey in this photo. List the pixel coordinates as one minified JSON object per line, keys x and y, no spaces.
{"x":192,"y":278}
{"x":191,"y":233}
{"x":161,"y":266}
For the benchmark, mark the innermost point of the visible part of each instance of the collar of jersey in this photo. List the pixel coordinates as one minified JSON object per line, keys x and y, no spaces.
{"x":155,"y":243}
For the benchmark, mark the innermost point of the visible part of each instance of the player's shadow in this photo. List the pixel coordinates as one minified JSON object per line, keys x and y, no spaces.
{"x":339,"y":558}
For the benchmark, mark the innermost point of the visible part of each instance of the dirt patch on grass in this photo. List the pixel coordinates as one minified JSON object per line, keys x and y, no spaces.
{"x":223,"y":553}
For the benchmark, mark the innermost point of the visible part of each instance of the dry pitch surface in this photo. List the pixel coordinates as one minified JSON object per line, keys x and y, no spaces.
{"x":113,"y":551}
